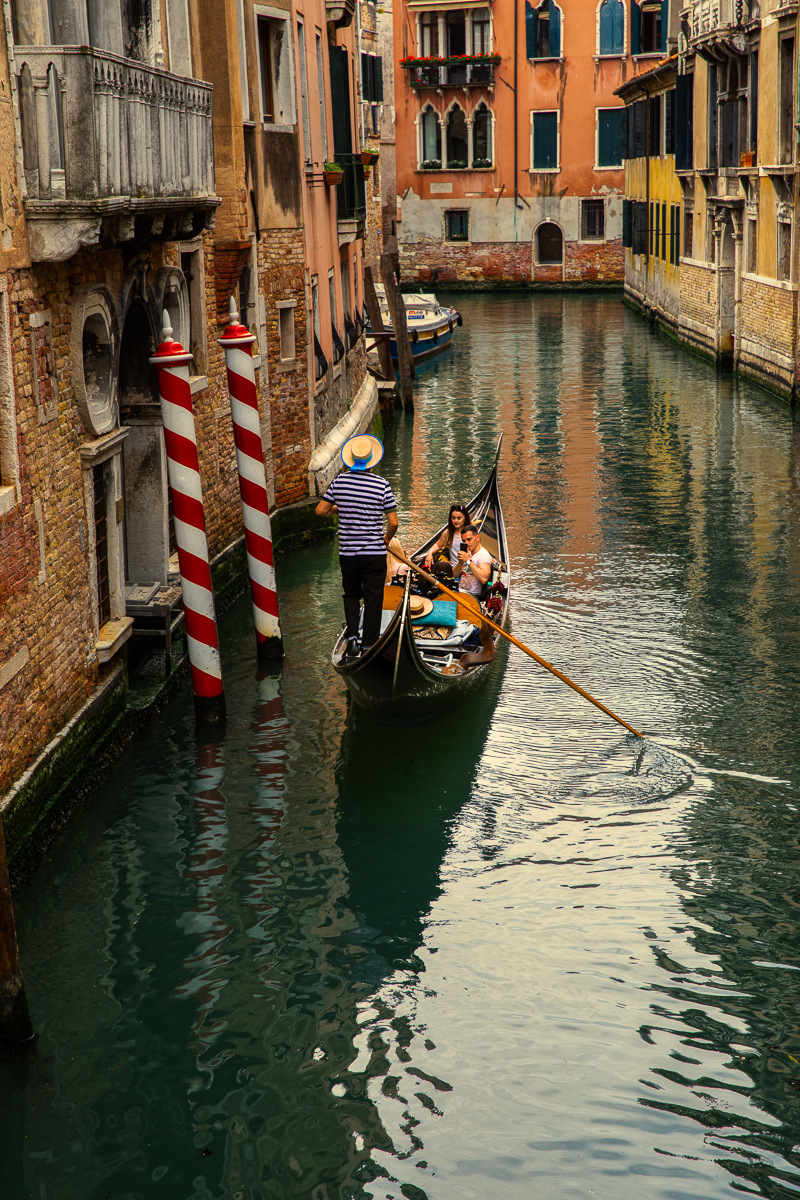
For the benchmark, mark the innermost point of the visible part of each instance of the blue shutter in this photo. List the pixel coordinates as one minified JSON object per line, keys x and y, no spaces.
{"x":555,"y":29}
{"x":530,"y":30}
{"x":636,"y":21}
{"x":664,"y":19}
{"x":609,"y":137}
{"x":545,"y":141}
{"x":612,"y":27}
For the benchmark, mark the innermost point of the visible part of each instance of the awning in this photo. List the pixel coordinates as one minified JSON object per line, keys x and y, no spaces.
{"x":445,"y":5}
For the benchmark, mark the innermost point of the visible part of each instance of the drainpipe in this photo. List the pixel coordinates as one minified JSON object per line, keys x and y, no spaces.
{"x":516,"y":148}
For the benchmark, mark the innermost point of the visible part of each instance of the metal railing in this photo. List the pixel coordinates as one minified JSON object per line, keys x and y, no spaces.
{"x":462,"y":72}
{"x":351,"y":193}
{"x":96,"y":125}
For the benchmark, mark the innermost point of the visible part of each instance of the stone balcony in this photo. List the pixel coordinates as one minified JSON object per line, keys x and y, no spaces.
{"x":718,"y":26}
{"x":113,"y":150}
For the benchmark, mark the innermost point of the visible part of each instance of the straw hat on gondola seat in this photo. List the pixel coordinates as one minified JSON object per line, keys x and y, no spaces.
{"x":419,"y":606}
{"x":362,"y":452}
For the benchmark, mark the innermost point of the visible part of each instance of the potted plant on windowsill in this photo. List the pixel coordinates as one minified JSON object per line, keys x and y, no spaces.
{"x":456,"y":164}
{"x":333,"y":172}
{"x":431,"y":164}
{"x":481,"y":164}
{"x":370,"y":157}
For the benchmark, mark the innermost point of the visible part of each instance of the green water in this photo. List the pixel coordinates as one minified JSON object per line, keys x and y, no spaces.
{"x":515,"y":953}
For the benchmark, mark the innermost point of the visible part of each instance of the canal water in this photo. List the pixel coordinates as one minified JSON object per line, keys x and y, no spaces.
{"x":517,"y":953}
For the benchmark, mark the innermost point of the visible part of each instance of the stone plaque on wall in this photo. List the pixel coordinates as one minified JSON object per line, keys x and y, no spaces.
{"x":441,"y":189}
{"x":44,"y":366}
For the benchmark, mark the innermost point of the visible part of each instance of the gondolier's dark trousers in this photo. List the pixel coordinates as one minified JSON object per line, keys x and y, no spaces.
{"x":363,"y":575}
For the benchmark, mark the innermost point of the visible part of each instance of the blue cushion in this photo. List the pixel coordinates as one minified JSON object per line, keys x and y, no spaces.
{"x":444,"y":613}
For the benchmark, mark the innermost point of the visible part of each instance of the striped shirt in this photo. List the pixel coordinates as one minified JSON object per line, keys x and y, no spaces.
{"x":361,"y":498}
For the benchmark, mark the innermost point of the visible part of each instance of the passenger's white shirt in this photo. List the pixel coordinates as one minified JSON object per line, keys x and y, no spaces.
{"x":469,"y":582}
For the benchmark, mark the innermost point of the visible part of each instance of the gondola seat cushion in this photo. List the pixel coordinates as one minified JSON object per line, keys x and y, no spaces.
{"x":443,"y":613}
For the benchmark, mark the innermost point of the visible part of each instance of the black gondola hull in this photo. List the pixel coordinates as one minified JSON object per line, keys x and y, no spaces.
{"x":393,"y":682}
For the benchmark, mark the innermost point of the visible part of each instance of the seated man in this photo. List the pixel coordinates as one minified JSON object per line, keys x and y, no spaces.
{"x":474,"y":565}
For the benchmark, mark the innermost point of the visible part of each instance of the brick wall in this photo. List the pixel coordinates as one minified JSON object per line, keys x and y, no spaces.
{"x":51,"y":618}
{"x":485,"y":263}
{"x":768,"y":317}
{"x":698,"y":293}
{"x":281,"y":269}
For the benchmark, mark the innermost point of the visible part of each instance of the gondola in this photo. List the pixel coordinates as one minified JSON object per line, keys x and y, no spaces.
{"x":408,"y":679}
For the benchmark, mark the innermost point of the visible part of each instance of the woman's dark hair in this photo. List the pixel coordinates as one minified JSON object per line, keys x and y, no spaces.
{"x":451,"y":529}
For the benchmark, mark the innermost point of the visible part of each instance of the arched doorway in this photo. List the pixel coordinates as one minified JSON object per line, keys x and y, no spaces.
{"x":549,"y":245}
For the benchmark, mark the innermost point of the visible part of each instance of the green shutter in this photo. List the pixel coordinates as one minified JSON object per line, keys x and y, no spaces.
{"x":340,"y":101}
{"x":636,"y":21}
{"x":555,"y":29}
{"x":664,"y":20}
{"x":377,"y":85}
{"x":609,"y":137}
{"x":545,"y":141}
{"x":530,"y":30}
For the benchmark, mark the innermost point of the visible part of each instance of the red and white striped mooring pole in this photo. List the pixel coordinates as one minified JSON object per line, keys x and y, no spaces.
{"x":237,"y":344}
{"x":183,"y":470}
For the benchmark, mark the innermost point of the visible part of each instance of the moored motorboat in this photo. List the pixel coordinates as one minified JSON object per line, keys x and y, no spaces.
{"x":430,"y":324}
{"x":417,"y":672}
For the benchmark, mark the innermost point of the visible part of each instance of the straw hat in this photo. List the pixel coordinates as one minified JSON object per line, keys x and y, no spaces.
{"x":419,"y":606}
{"x":362,"y":452}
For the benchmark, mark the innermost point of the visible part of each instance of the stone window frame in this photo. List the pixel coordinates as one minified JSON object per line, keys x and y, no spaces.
{"x":92,"y":301}
{"x":198,"y":315}
{"x":418,"y":121}
{"x":532,"y":170}
{"x":446,"y":212}
{"x":584,"y":200}
{"x":10,"y":490}
{"x":41,"y":345}
{"x":605,"y":108}
{"x":106,"y":449}
{"x":287,"y":67}
{"x":623,"y":53}
{"x":468,"y":8}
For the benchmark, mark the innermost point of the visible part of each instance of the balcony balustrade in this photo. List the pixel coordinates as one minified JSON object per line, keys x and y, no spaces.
{"x":469,"y":71}
{"x":713,"y":18}
{"x":107,"y":135}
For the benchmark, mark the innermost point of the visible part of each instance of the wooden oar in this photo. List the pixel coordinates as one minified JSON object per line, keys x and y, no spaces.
{"x":396,"y":549}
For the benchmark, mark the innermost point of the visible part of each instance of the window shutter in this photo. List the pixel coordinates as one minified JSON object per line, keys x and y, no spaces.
{"x":624,"y":133}
{"x":664,"y":20}
{"x":366,"y":78}
{"x":664,"y":232}
{"x":377,"y":87}
{"x":612,"y":27}
{"x":609,"y":137}
{"x":545,"y":141}
{"x":636,"y":21}
{"x":684,"y":125}
{"x":555,"y":29}
{"x":340,"y":101}
{"x":626,"y":222}
{"x":639,"y":126}
{"x":669,"y":122}
{"x":617,"y":26}
{"x":530,"y":30}
{"x":650,"y":231}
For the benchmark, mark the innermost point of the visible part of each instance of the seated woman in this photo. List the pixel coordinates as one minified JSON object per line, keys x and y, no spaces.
{"x":450,"y":541}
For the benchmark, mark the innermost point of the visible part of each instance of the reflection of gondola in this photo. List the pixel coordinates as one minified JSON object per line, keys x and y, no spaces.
{"x":408,"y":679}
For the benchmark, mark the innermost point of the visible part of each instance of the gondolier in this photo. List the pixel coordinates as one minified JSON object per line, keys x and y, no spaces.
{"x":361,"y":500}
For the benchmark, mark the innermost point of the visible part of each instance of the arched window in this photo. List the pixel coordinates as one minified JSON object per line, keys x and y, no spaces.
{"x":612,"y":27}
{"x":457,"y":154}
{"x":482,"y":137}
{"x":543,"y":30}
{"x":431,"y":137}
{"x":649,"y":27}
{"x":549,"y":244}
